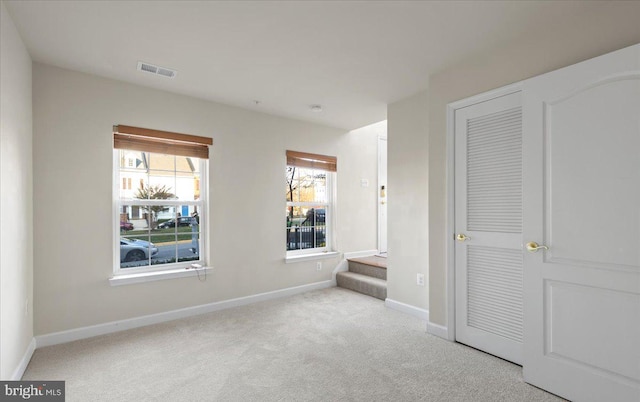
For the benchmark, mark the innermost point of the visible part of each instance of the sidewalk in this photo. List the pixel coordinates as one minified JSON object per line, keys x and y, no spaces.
{"x":166,"y":243}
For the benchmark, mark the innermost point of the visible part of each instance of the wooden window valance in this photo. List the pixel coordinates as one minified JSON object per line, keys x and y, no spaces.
{"x":161,"y":142}
{"x":312,"y":161}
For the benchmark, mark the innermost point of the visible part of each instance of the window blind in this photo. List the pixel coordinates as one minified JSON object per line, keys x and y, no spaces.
{"x":162,"y":142}
{"x":312,"y":161}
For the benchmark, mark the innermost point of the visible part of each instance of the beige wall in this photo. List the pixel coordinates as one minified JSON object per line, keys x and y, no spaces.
{"x":610,"y":28}
{"x":16,"y":207}
{"x":358,"y":225}
{"x":408,"y":208}
{"x":73,"y":116}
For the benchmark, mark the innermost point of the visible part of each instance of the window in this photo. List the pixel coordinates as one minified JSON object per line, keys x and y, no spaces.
{"x":309,"y":194}
{"x":161,"y":224}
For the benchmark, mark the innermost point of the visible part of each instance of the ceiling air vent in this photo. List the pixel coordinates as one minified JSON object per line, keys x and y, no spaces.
{"x":150,"y":68}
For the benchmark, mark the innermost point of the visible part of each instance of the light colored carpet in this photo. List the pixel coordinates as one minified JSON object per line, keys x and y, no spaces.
{"x":327,"y":345}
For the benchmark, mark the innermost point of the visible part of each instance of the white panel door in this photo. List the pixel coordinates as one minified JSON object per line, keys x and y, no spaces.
{"x":582,"y":200}
{"x":382,"y":195}
{"x":488,"y":224}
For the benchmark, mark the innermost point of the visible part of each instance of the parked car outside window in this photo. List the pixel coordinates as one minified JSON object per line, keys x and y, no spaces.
{"x":136,"y":250}
{"x":182,"y":221}
{"x":314,"y":216}
{"x":126,"y":225}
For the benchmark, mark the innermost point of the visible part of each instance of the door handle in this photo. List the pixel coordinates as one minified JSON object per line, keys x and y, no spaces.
{"x":533,"y":247}
{"x":462,"y":237}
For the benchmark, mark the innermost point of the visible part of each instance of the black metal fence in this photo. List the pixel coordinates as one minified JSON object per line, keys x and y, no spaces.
{"x":304,"y":237}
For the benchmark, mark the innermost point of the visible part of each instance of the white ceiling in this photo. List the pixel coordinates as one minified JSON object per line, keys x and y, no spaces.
{"x":353,"y":58}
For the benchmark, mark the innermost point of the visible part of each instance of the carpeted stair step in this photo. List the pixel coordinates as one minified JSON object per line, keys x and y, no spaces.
{"x":366,"y":268}
{"x":365,"y":284}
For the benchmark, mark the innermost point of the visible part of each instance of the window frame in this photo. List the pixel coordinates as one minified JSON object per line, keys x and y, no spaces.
{"x":203,"y":209}
{"x":329,"y":210}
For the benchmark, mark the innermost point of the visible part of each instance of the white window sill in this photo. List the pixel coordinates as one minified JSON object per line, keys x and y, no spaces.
{"x":142,"y":277}
{"x":310,"y":257}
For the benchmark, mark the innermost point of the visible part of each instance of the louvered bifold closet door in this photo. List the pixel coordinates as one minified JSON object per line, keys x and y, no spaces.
{"x":494,"y":291}
{"x":494,"y":172}
{"x":488,"y":212}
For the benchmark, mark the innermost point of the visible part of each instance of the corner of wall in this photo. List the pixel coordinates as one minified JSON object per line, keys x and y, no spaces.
{"x":16,"y":201}
{"x":408,"y":200}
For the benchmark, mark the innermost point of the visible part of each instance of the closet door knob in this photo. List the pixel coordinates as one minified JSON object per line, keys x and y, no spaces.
{"x":462,"y":237}
{"x":533,"y":247}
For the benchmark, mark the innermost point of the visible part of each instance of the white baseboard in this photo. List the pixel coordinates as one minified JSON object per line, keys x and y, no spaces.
{"x":438,"y":330}
{"x":342,"y":266}
{"x":417,"y":312}
{"x":122,"y":325}
{"x":24,"y":362}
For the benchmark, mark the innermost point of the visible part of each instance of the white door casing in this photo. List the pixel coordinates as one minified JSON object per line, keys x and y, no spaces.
{"x":488,"y":211}
{"x":382,"y":194}
{"x":582,"y":200}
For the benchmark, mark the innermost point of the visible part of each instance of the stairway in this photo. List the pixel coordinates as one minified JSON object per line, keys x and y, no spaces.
{"x":367,"y":275}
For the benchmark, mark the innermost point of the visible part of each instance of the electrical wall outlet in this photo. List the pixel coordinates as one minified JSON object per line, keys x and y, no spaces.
{"x":420,"y":280}
{"x":318,"y":266}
